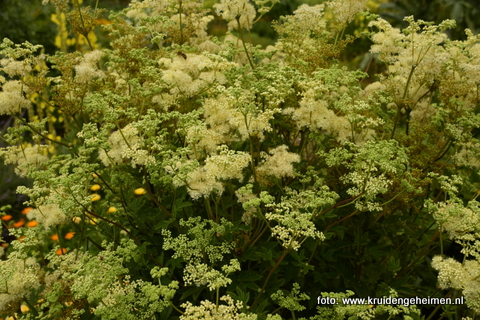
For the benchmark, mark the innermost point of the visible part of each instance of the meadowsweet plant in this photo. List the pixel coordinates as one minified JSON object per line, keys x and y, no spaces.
{"x":188,"y":176}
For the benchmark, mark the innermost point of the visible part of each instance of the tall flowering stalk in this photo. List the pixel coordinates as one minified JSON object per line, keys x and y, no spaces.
{"x":192,"y":177}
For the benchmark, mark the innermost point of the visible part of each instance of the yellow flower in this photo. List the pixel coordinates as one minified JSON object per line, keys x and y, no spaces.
{"x":24,"y":308}
{"x":95,"y":197}
{"x":95,"y":187}
{"x":112,"y":210}
{"x":140,"y":191}
{"x":77,"y":219}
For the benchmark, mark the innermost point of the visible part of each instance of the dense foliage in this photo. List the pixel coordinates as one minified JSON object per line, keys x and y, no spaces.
{"x":177,"y":175}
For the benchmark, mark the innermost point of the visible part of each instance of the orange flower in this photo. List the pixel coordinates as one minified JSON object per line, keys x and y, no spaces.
{"x":4,"y":244}
{"x":61,"y":251}
{"x":69,"y":235}
{"x":32,"y":224}
{"x":26,"y":210}
{"x":7,"y":217}
{"x":19,"y":223}
{"x":54,"y":237}
{"x":21,"y":238}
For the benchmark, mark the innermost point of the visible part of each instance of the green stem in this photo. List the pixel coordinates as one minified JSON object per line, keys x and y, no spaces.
{"x":180,"y":11}
{"x":258,"y":237}
{"x":240,"y":32}
{"x":59,"y":237}
{"x":338,"y":221}
{"x":252,"y":161}
{"x":418,"y":256}
{"x":31,"y":307}
{"x":397,"y":118}
{"x":337,"y":205}
{"x":152,"y":196}
{"x":211,"y":216}
{"x":178,"y":310}
{"x":41,"y":135}
{"x":77,"y":4}
{"x":279,"y":260}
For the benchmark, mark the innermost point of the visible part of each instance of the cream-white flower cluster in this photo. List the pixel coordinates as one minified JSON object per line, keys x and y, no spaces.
{"x":238,"y":13}
{"x":87,"y":69}
{"x":246,"y":197}
{"x":468,"y":155}
{"x":139,"y":9}
{"x":208,"y":310}
{"x":294,"y":217}
{"x":301,"y":21}
{"x":12,"y":99}
{"x":201,"y":274}
{"x":278,"y":163}
{"x":460,"y":222}
{"x":333,"y":103}
{"x":370,"y":169}
{"x":186,"y":75}
{"x":31,"y":157}
{"x":126,"y":147}
{"x":14,"y":67}
{"x":292,"y":301}
{"x":226,"y":165}
{"x":461,"y":276}
{"x":48,"y":215}
{"x":182,"y":21}
{"x":419,"y":58}
{"x":18,"y":277}
{"x":345,"y":11}
{"x":235,"y":112}
{"x":197,"y":244}
{"x":316,"y":115}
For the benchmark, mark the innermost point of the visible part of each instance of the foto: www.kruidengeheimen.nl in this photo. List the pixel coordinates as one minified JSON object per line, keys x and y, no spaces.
{"x":390,"y":301}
